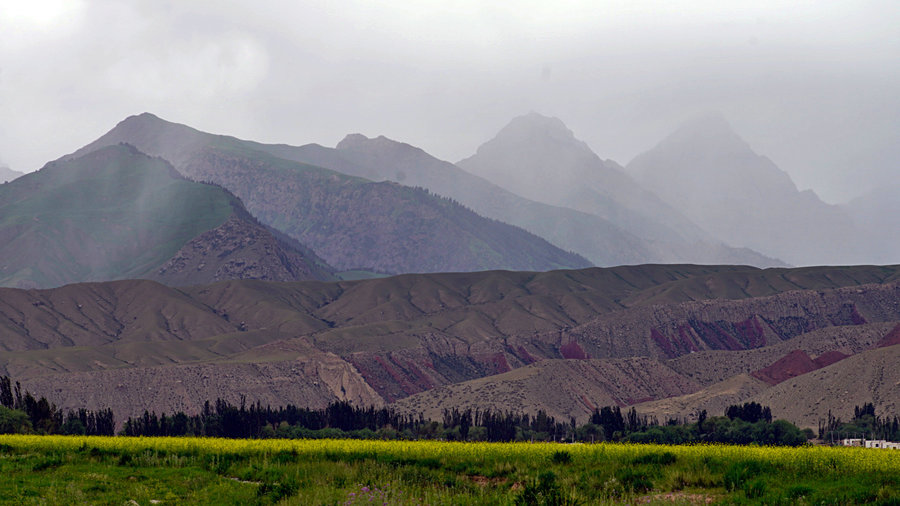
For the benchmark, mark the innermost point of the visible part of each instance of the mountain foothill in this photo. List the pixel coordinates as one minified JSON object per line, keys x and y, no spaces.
{"x":178,"y":266}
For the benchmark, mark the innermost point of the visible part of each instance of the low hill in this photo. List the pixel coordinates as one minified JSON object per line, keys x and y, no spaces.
{"x":352,"y":223}
{"x":871,"y":376}
{"x":711,"y":367}
{"x":715,"y":399}
{"x":673,"y":330}
{"x":561,"y":388}
{"x":314,"y":379}
{"x":116,"y":213}
{"x":801,"y":379}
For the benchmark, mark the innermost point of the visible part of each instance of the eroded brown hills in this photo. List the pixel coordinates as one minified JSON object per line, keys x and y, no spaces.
{"x":562,"y":341}
{"x":562,"y":388}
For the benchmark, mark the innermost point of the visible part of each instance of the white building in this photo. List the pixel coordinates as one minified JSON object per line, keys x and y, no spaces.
{"x":871,"y":443}
{"x":881,"y":443}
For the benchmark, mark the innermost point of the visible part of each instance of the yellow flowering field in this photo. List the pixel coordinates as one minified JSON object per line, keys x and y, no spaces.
{"x":63,"y":469}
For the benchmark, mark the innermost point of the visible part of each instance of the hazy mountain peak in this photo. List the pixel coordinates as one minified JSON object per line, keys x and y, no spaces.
{"x":706,"y":171}
{"x":351,"y":141}
{"x":533,"y":126}
{"x":532,"y":152}
{"x":359,"y":142}
{"x":708,"y":132}
{"x":138,"y":125}
{"x":154,"y":136}
{"x":143,"y":119}
{"x":539,"y":158}
{"x":145,"y":116}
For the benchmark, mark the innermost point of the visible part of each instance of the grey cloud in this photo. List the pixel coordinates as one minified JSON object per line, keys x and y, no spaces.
{"x":812,"y":85}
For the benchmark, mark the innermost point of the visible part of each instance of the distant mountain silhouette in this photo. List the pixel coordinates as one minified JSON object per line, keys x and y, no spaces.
{"x":541,"y":159}
{"x":706,"y":171}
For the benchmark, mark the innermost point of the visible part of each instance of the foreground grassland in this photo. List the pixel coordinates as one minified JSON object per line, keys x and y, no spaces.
{"x":106,"y":470}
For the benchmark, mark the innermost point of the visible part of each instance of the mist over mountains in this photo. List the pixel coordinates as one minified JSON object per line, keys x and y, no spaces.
{"x":627,"y":224}
{"x":709,"y":173}
{"x":877,"y":215}
{"x":540,"y":158}
{"x":375,"y":206}
{"x":385,"y":159}
{"x":484,"y":293}
{"x":352,"y":223}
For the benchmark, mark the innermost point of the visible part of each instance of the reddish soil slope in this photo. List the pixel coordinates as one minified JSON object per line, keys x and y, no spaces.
{"x":891,"y":338}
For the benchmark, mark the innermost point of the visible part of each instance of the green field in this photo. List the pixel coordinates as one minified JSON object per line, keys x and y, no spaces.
{"x":144,"y":471}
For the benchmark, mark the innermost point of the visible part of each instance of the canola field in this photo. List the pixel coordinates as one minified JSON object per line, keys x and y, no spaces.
{"x":145,"y":471}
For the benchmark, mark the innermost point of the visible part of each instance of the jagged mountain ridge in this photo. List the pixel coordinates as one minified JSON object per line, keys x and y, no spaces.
{"x":409,"y":334}
{"x":116,"y":213}
{"x":706,"y":171}
{"x":352,"y":223}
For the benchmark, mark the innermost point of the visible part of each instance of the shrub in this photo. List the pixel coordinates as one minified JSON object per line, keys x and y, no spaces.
{"x":635,"y":481}
{"x":561,"y":457}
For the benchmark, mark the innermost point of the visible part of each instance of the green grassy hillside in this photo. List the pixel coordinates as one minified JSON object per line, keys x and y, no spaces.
{"x":115,"y":213}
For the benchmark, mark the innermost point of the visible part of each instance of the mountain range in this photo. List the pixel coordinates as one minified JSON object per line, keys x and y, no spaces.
{"x":614,"y":240}
{"x":354,"y":224}
{"x":701,"y":195}
{"x":540,"y":158}
{"x":619,"y":235}
{"x":178,"y":266}
{"x":383,"y":159}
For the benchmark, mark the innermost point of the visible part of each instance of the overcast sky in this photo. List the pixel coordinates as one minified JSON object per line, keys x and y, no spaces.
{"x":813,"y":85}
